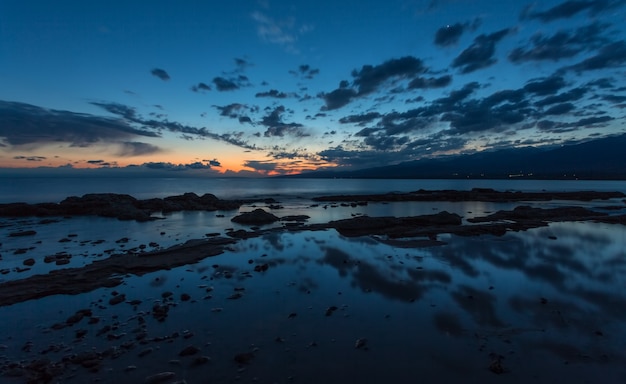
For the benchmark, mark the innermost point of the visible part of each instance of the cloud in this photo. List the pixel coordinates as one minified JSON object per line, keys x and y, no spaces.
{"x":360,"y":119}
{"x":30,"y":158}
{"x":273,"y":93}
{"x":431,"y":82}
{"x":160,"y":73}
{"x":371,"y":78}
{"x":305,"y":71}
{"x":481,"y":53}
{"x":276,"y":127}
{"x":171,"y":126}
{"x":223,"y":84}
{"x":610,"y":56}
{"x":561,"y":45}
{"x":571,"y":8}
{"x":450,"y":34}
{"x":200,"y":87}
{"x":560,"y":109}
{"x":167,"y":166}
{"x":260,"y":165}
{"x":26,"y":124}
{"x":545,"y":86}
{"x":135,"y":148}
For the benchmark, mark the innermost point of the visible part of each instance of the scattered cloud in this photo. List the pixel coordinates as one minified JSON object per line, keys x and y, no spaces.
{"x":276,"y":127}
{"x":562,"y":44}
{"x":160,"y":73}
{"x":481,"y":53}
{"x":571,"y":8}
{"x":450,"y":34}
{"x":135,"y":148}
{"x":30,"y":158}
{"x":371,"y":78}
{"x":261,"y":165}
{"x":26,"y":124}
{"x":200,"y":87}
{"x":273,"y":93}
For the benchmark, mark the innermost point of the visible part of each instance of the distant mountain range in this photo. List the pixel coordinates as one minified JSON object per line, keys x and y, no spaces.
{"x":597,"y":159}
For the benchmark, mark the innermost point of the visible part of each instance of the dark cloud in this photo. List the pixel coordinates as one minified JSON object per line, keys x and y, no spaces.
{"x":450,"y":34}
{"x":189,"y":132}
{"x":481,"y":53}
{"x":200,"y":87}
{"x":360,"y":119}
{"x":135,"y":148}
{"x":160,"y":73}
{"x":545,"y":86}
{"x":223,"y":84}
{"x":571,"y":8}
{"x":562,"y":127}
{"x":571,"y":95}
{"x":610,"y":56}
{"x":231,"y":110}
{"x":95,"y":161}
{"x":30,"y":158}
{"x":276,"y":127}
{"x":273,"y":93}
{"x":431,"y":82}
{"x":560,"y":109}
{"x":260,"y":165}
{"x":561,"y":45}
{"x":338,"y":98}
{"x":22,"y":124}
{"x":166,"y":166}
{"x":371,"y":78}
{"x":305,"y":71}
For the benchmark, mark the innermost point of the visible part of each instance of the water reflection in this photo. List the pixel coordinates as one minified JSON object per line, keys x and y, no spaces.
{"x":543,"y":302}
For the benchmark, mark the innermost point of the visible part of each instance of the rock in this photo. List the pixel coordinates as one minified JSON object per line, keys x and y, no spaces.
{"x":117,"y":299}
{"x":256,"y":217}
{"x":29,"y":262}
{"x":295,"y":218}
{"x":159,"y":378}
{"x":360,"y":343}
{"x":185,"y":297}
{"x":188,"y":351}
{"x":22,"y":233}
{"x":243,"y":358}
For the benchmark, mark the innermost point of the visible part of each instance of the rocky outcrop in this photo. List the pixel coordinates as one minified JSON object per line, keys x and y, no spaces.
{"x":394,"y":226}
{"x":120,"y":206}
{"x":256,"y":217}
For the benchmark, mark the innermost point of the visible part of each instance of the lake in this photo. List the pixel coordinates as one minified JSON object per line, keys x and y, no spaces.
{"x":541,"y":305}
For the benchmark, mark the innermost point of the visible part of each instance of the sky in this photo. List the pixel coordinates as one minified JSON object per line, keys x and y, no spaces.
{"x":268,"y":87}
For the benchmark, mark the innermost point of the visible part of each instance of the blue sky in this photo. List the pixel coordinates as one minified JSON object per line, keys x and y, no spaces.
{"x":272,"y":87}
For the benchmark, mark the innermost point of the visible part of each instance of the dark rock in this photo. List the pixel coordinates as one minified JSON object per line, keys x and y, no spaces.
{"x":117,"y":299}
{"x":22,"y":233}
{"x":188,"y":351}
{"x":29,"y":262}
{"x":243,"y":358}
{"x":159,"y":378}
{"x":256,"y":217}
{"x":295,"y":218}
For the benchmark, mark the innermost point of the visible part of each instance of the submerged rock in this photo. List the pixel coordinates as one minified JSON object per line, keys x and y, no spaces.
{"x":256,"y":217}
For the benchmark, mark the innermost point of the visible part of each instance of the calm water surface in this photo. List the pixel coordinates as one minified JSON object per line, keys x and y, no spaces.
{"x":547,"y":303}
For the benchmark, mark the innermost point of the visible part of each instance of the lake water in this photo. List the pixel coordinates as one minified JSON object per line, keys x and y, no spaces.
{"x":546,"y":304}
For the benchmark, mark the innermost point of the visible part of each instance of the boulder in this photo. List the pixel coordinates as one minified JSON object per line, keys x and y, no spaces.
{"x":256,"y":217}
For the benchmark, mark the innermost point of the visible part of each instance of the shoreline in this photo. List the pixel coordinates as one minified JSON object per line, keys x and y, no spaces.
{"x":404,"y":232}
{"x":139,"y":321}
